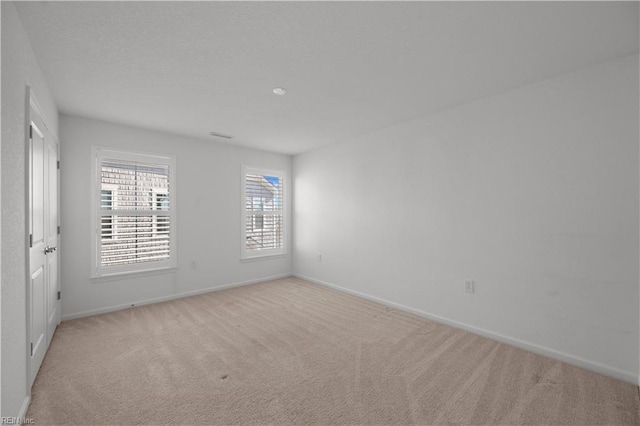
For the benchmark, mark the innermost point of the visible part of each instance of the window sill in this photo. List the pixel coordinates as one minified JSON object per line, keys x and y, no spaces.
{"x":118,"y":276}
{"x":263,"y":257}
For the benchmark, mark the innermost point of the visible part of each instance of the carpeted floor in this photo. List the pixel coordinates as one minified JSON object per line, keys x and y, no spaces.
{"x":290,"y":352}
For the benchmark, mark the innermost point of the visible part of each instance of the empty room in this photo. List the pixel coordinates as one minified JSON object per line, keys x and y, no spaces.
{"x":327,"y":213}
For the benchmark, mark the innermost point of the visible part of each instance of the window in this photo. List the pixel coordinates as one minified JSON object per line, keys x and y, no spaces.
{"x":263,"y":221}
{"x":134,"y":212}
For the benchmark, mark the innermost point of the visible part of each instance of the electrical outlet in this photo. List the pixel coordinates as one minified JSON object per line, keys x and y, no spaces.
{"x":469,"y":286}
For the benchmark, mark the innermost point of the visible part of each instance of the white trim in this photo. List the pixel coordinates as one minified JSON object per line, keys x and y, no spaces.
{"x":33,"y":102}
{"x":27,"y":266}
{"x":22,"y":414}
{"x":616,"y":373}
{"x":263,"y":257}
{"x":117,"y":276}
{"x":170,"y":297}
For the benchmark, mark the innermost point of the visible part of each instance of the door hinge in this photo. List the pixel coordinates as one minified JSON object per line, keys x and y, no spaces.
{"x":30,"y":131}
{"x":30,"y":240}
{"x":58,"y":295}
{"x":58,"y":164}
{"x":31,"y":348}
{"x":58,"y":229}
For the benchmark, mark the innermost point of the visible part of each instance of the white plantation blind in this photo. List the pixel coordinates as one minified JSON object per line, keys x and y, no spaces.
{"x":263,"y":213}
{"x":135,"y":229}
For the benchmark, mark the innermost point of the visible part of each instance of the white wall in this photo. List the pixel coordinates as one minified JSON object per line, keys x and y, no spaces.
{"x":533,"y":193}
{"x":19,"y":69}
{"x":208,"y":209}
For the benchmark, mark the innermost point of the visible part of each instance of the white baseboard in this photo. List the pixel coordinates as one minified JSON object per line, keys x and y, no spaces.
{"x":541,"y":350}
{"x":114,"y":308}
{"x":25,"y":407}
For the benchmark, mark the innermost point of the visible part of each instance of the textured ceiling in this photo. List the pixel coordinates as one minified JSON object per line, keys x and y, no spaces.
{"x":349,"y":68}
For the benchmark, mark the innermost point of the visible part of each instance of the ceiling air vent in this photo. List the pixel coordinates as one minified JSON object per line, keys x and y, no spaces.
{"x":220,"y":135}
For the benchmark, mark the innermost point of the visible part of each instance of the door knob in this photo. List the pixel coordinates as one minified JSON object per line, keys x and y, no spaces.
{"x":48,"y":249}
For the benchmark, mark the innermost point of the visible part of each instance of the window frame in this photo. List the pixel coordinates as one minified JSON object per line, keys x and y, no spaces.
{"x":246,"y":254}
{"x":99,"y":153}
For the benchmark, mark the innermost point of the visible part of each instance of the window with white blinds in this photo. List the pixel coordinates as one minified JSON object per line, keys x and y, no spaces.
{"x":263,"y":218}
{"x":134,"y":212}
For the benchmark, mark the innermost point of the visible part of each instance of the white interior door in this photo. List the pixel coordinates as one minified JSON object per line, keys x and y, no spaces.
{"x":37,"y":244}
{"x":51,"y":210}
{"x":42,"y":291}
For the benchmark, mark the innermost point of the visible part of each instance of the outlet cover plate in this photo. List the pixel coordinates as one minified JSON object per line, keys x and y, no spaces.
{"x":469,"y":286}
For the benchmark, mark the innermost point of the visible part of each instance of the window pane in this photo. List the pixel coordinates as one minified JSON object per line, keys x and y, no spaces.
{"x":267,"y":236}
{"x":134,"y":239}
{"x":263,"y":193}
{"x":136,"y":185}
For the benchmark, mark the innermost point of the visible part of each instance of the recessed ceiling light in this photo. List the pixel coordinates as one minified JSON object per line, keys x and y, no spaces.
{"x":220,"y":135}
{"x":280,"y":91}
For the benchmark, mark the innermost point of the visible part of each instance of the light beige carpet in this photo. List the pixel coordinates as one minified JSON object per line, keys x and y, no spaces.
{"x":290,"y":352}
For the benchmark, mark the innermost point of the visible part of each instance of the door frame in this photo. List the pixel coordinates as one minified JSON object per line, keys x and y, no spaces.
{"x":31,"y":101}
